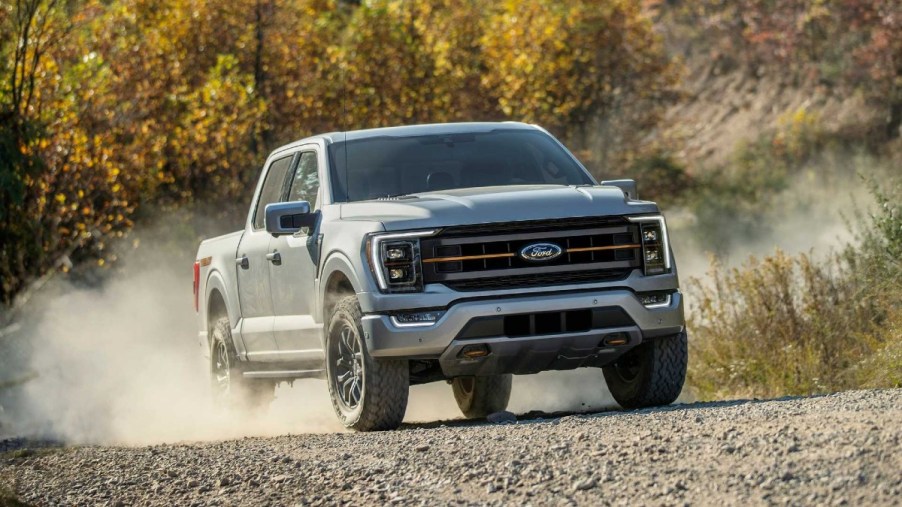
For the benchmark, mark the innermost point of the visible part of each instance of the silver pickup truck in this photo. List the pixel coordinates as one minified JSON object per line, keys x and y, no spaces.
{"x":465,"y":253}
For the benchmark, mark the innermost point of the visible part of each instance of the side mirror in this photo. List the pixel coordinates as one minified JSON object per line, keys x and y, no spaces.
{"x":628,"y":186}
{"x":284,"y":218}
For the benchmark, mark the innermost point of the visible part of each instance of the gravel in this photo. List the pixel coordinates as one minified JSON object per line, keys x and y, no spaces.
{"x":841,"y":449}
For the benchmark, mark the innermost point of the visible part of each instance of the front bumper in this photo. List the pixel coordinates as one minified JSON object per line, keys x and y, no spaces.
{"x":525,"y":354}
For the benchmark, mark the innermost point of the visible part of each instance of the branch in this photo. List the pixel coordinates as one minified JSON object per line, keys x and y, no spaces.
{"x":40,"y":47}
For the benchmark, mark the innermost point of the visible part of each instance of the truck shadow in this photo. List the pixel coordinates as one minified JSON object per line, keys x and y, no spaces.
{"x":538,"y":416}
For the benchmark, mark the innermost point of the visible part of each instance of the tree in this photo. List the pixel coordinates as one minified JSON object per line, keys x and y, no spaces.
{"x":31,"y":24}
{"x":593,"y":71}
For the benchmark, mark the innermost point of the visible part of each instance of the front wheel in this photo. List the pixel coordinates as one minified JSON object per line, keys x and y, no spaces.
{"x":367,"y":394}
{"x":651,"y":374}
{"x":480,"y":396}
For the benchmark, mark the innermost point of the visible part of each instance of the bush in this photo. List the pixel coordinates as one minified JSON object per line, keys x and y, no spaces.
{"x":795,"y":325}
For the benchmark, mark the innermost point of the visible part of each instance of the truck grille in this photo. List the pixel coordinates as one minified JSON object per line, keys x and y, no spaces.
{"x":484,"y":257}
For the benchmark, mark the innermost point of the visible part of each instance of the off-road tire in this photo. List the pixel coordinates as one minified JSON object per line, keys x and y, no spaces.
{"x":242,"y":394}
{"x":651,"y":374}
{"x":385,"y":382}
{"x":478,"y":397}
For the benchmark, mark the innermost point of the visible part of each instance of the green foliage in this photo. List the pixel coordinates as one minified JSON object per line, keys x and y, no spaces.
{"x":885,"y":239}
{"x":793,"y":325}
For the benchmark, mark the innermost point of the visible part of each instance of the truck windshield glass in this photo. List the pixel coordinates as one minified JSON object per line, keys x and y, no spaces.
{"x":381,"y":167}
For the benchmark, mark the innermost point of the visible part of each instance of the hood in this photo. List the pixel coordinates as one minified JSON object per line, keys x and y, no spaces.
{"x":485,"y":205}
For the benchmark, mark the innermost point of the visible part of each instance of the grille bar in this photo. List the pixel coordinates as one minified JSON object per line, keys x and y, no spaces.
{"x":474,"y":275}
{"x":540,"y":280}
{"x":468,"y":258}
{"x":602,"y":248}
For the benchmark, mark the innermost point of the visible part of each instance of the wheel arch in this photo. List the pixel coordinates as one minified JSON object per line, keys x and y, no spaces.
{"x":217,"y":302}
{"x":338,"y":284}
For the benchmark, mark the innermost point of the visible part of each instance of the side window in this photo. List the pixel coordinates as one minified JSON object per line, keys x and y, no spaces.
{"x":272,"y":189}
{"x":305,"y":183}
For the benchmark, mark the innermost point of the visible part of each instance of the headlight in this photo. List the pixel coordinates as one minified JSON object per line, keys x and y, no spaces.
{"x":395,"y":260}
{"x":655,"y":244}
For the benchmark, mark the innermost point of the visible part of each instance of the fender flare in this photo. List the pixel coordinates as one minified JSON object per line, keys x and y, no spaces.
{"x":335,"y":262}
{"x":216,"y":282}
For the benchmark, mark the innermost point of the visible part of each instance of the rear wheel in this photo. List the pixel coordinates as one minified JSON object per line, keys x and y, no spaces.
{"x":229,"y":387}
{"x":368,"y":394}
{"x":480,"y":396}
{"x":651,"y":374}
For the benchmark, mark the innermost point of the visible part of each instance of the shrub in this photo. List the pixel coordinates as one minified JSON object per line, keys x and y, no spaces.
{"x":797,"y":325}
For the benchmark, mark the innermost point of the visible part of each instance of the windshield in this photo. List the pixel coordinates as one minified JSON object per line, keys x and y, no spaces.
{"x":390,"y":166}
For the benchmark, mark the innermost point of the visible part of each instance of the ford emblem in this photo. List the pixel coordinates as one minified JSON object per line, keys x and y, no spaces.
{"x":540,"y":252}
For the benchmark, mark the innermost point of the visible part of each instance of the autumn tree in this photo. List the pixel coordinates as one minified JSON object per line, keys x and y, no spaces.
{"x":592,"y":71}
{"x":114,"y":106}
{"x":32,"y":27}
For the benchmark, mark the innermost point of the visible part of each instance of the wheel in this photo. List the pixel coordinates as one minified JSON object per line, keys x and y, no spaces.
{"x":230,"y":389}
{"x":651,"y":374}
{"x":368,"y":394}
{"x":480,"y":396}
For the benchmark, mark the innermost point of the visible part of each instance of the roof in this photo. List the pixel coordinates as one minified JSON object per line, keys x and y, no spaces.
{"x":412,"y":130}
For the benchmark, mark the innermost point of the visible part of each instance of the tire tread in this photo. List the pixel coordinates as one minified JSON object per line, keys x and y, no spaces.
{"x":387,"y":387}
{"x":664,"y":373}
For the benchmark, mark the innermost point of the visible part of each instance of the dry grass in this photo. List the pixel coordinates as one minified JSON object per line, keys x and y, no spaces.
{"x":787,"y":325}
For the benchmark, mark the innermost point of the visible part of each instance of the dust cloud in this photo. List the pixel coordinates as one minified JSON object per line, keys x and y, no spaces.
{"x":813,"y":214}
{"x":121,"y":364}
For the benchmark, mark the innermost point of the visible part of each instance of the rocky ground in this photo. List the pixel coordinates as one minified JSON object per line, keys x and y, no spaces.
{"x":828,"y":450}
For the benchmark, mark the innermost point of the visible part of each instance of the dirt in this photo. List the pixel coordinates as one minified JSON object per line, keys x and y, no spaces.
{"x":825,"y":450}
{"x":721,"y":111}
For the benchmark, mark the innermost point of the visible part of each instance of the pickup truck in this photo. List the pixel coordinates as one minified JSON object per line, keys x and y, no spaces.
{"x":466,"y":253}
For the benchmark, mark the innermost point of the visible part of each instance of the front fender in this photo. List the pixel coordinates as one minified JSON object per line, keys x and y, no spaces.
{"x":337,"y":262}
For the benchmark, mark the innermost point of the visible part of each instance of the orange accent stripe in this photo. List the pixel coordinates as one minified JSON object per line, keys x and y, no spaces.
{"x":469,"y":258}
{"x":600,"y":248}
{"x":507,"y":255}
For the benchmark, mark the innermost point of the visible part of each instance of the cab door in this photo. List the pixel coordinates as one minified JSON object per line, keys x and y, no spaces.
{"x":293,"y":277}
{"x":252,"y":266}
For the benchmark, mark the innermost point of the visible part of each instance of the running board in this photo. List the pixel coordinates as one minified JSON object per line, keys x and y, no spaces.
{"x":285,"y":374}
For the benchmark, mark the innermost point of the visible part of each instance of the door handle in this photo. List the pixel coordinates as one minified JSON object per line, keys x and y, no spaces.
{"x":275,"y":258}
{"x":243,"y":262}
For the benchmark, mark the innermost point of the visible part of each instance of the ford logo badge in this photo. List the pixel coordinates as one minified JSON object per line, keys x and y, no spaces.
{"x":540,"y":252}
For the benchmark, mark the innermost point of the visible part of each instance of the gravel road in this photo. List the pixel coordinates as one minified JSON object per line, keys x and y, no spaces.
{"x":828,"y":450}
